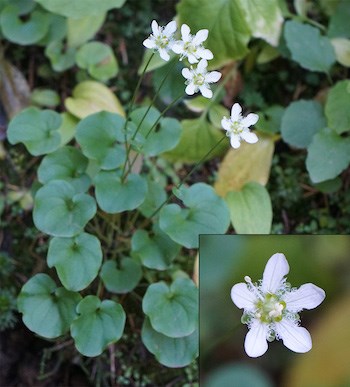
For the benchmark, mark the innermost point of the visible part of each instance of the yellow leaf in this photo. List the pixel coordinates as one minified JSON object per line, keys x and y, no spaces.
{"x":91,"y":97}
{"x":250,"y":162}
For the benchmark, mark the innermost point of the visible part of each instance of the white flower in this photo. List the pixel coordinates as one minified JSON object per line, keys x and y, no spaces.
{"x":191,"y":46}
{"x":271,"y":308}
{"x":199,"y":79}
{"x":237,"y":126}
{"x":161,"y":39}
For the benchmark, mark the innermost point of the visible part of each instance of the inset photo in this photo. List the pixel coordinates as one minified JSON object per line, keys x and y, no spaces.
{"x":274,"y":310}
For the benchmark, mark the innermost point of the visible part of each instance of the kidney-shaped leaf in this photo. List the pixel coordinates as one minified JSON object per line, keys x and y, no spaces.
{"x":66,"y":163}
{"x":156,"y":251}
{"x":79,"y":8}
{"x":47,"y":310}
{"x":77,"y":260}
{"x":23,"y":32}
{"x":122,"y":279}
{"x":207,"y":213}
{"x":113,"y":195}
{"x":36,"y":129}
{"x":250,"y":209}
{"x":98,"y":136}
{"x":157,"y":138}
{"x":99,"y":324}
{"x":172,"y":310}
{"x":169,"y":351}
{"x":337,"y":107}
{"x":60,"y":211}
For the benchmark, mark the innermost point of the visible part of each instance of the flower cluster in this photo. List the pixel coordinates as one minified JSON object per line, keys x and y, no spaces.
{"x":190,"y":47}
{"x":271,"y":308}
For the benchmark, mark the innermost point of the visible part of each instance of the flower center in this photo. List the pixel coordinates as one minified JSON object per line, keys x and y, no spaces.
{"x":198,"y":79}
{"x":162,"y":41}
{"x":270,"y":309}
{"x":236,"y":127}
{"x":190,"y":48}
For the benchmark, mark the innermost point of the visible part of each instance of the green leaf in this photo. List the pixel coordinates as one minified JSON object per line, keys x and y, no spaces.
{"x":206,"y":213}
{"x":99,"y":325}
{"x":264,"y":18}
{"x":114,"y":196}
{"x":225,"y":19}
{"x":339,"y":21}
{"x":236,"y":168}
{"x":47,"y":310}
{"x":57,"y":29}
{"x":270,"y":119}
{"x":24,"y":33}
{"x":77,"y":260}
{"x":66,"y":163}
{"x":36,"y":129}
{"x":98,"y":136}
{"x":154,"y":198}
{"x":156,"y":251}
{"x":61,"y":57}
{"x":154,"y":63}
{"x":45,"y":97}
{"x":122,"y":278}
{"x":311,"y":50}
{"x":328,"y":155}
{"x":250,"y":209}
{"x":197,"y":104}
{"x":216,"y":113}
{"x":79,"y":8}
{"x":243,"y":375}
{"x":159,"y":138}
{"x":337,"y":107}
{"x":342,"y":50}
{"x":198,"y":137}
{"x":67,"y":128}
{"x":172,"y":310}
{"x":98,"y":59}
{"x":330,"y":186}
{"x":60,"y":211}
{"x":171,"y":352}
{"x":91,"y":97}
{"x":301,"y":120}
{"x":83,"y":29}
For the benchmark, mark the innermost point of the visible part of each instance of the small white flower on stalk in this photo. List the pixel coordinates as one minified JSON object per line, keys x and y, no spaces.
{"x":199,"y":79}
{"x":191,"y":46}
{"x":271,"y":308}
{"x":237,"y":126}
{"x":162,"y":39}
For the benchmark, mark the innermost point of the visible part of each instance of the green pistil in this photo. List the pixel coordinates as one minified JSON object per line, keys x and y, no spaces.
{"x":162,"y":41}
{"x":190,"y":48}
{"x":270,"y":309}
{"x":236,"y":127}
{"x":198,"y":79}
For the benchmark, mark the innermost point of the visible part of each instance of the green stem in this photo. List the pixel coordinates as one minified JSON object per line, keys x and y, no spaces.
{"x":150,"y":130}
{"x":128,"y":147}
{"x":187,"y":176}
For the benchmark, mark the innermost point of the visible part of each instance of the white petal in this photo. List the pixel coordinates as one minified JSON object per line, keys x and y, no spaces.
{"x":164,"y":54}
{"x":251,"y":138}
{"x":170,"y":28}
{"x":242,"y":297}
{"x":236,"y":111}
{"x":205,"y":53}
{"x":149,"y":43}
{"x":185,"y":32}
{"x":251,"y":119}
{"x":191,"y":89}
{"x":308,"y":296}
{"x":212,"y":77}
{"x":191,"y":58}
{"x":226,"y":123}
{"x":202,"y":66}
{"x":155,"y":28}
{"x":200,"y":37}
{"x":255,"y":343}
{"x":235,"y":141}
{"x":276,"y":268}
{"x":178,"y":47}
{"x":295,"y":338}
{"x":187,"y":73}
{"x":206,"y":92}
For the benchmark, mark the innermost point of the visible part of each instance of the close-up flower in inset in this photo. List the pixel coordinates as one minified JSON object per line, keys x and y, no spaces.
{"x":271,"y":308}
{"x":161,"y":39}
{"x":191,"y":45}
{"x":237,"y":126}
{"x":199,"y":79}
